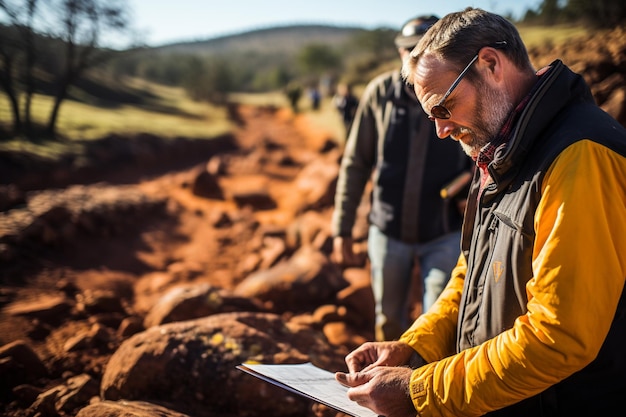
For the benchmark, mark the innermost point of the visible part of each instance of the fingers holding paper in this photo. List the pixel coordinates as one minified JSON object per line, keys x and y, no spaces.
{"x":377,"y":389}
{"x":372,"y":354}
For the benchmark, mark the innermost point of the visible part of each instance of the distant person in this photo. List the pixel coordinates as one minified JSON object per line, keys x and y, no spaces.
{"x":533,"y":321}
{"x":392,"y":143}
{"x":294,"y":93}
{"x":346,"y":103}
{"x":316,"y":97}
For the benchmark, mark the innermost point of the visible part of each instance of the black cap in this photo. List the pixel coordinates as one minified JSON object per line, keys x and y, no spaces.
{"x":413,"y":30}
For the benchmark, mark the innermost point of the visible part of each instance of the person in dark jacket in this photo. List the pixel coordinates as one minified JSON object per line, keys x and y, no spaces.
{"x":392,"y":143}
{"x":533,"y":319}
{"x":346,"y":103}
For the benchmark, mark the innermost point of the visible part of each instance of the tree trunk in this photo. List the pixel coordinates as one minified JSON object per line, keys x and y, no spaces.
{"x":7,"y":86}
{"x":15,"y":109}
{"x":30,"y":66}
{"x":29,"y":83}
{"x":54,"y":114}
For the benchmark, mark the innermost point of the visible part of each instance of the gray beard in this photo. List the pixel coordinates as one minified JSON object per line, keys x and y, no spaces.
{"x":492,"y":108}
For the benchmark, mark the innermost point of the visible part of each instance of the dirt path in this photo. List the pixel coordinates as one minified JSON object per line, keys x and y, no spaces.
{"x":193,"y":239}
{"x":266,"y":139}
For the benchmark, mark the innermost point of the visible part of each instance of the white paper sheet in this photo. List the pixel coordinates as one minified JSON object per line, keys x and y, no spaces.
{"x":309,"y":381}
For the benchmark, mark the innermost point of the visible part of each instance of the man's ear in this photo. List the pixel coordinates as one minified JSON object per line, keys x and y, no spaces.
{"x":491,"y":61}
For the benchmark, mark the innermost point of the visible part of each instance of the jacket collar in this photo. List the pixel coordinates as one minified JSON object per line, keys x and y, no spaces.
{"x":401,"y":93}
{"x":555,"y":91}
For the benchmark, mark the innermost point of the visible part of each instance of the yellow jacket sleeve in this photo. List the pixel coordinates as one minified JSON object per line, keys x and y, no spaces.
{"x":579,"y":269}
{"x":432,"y":335}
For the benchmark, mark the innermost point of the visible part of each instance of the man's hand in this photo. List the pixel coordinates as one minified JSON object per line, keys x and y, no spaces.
{"x":343,"y":252}
{"x":384,"y":390}
{"x":372,"y":354}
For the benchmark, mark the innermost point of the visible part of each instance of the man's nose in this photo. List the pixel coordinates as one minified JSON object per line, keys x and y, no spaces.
{"x":443,"y":128}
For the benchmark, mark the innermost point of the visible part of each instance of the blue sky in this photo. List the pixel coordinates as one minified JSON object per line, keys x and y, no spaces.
{"x":159,"y":22}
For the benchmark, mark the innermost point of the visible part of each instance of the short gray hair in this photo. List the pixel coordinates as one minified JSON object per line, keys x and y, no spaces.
{"x":458,"y":36}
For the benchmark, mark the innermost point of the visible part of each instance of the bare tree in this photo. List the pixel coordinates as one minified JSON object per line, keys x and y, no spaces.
{"x":18,"y":55}
{"x":78,"y":24}
{"x":9,"y":56}
{"x":82,"y":25}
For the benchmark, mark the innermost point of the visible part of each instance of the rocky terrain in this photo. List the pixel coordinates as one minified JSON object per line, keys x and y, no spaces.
{"x":133,"y":283}
{"x":228,"y":256}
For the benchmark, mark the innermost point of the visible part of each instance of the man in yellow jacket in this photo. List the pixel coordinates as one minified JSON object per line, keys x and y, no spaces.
{"x":533,"y":319}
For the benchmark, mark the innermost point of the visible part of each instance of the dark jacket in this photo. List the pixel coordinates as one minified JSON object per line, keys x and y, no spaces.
{"x":392,"y":138}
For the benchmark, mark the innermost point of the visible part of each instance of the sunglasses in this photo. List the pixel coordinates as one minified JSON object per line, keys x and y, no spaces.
{"x":439,"y":111}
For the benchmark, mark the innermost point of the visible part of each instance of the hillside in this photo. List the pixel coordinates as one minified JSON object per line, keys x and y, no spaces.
{"x":261,"y":60}
{"x":285,"y":39}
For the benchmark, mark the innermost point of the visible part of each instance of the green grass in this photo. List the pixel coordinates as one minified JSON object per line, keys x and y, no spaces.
{"x":541,"y":35}
{"x":169,"y":115}
{"x":78,"y":120}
